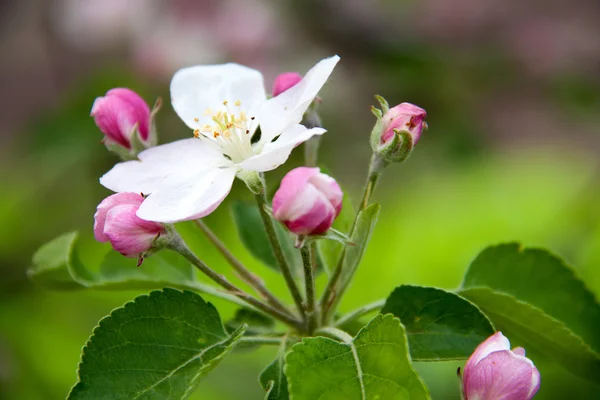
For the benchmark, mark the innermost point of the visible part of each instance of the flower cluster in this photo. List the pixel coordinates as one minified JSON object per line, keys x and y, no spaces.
{"x":238,"y":131}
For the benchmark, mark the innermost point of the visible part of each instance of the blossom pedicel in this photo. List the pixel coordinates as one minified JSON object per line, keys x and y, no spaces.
{"x":125,"y":119}
{"x":116,"y":222}
{"x":307,"y":201}
{"x":495,"y":372}
{"x":224,"y":105}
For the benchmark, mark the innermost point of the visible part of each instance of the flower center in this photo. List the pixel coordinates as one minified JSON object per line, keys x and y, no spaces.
{"x":229,"y":133}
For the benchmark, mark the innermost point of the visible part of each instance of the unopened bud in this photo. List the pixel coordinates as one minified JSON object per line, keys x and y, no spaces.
{"x":307,"y":201}
{"x":285,"y":81}
{"x":397,"y":130}
{"x":126,"y":121}
{"x":116,"y":222}
{"x":495,"y":372}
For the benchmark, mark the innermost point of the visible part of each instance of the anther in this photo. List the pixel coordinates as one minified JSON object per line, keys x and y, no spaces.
{"x":196,"y":120}
{"x":225,"y":102}
{"x":237,"y":103}
{"x":196,"y":133}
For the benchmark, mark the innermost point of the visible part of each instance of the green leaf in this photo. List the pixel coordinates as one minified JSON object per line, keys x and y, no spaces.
{"x":50,"y":263}
{"x":374,"y":365}
{"x":365,"y":224}
{"x":257,"y":323}
{"x":541,"y":279}
{"x":440,"y":325}
{"x":535,"y":330}
{"x":56,"y":265}
{"x":273,"y":379}
{"x":253,"y":235}
{"x":156,"y":347}
{"x":330,"y":251}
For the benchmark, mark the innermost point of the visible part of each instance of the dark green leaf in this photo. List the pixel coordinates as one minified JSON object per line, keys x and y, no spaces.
{"x":532,"y":328}
{"x":541,"y":279}
{"x":253,"y":235}
{"x":56,"y":265}
{"x":273,"y":379}
{"x":374,"y":365}
{"x":156,"y":347}
{"x":440,"y":325}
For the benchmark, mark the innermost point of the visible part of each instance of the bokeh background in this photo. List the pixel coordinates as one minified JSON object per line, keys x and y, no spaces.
{"x":512,"y":89}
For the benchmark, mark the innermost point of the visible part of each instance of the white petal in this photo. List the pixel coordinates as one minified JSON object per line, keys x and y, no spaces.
{"x":196,"y":89}
{"x":284,"y":111}
{"x":276,"y":153}
{"x":161,"y":166}
{"x":190,"y":199}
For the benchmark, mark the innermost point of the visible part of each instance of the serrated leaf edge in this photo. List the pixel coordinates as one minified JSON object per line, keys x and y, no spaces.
{"x":234,"y":336}
{"x":421,"y":359}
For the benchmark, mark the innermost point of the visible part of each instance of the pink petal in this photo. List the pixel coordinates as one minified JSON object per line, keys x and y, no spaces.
{"x":285,"y":81}
{"x":129,"y":234}
{"x":139,"y":106}
{"x":105,"y":206}
{"x":501,"y":375}
{"x":495,"y":342}
{"x":290,"y":186}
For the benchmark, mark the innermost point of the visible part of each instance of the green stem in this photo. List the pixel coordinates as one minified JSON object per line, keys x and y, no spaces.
{"x":307,"y":260}
{"x":244,"y":272}
{"x":359,"y":312}
{"x":332,"y":295}
{"x":177,"y":244}
{"x":261,"y":200}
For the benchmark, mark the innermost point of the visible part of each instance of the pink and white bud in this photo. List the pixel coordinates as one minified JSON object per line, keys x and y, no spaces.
{"x":495,"y":372}
{"x":404,"y":117}
{"x":116,"y":222}
{"x":118,"y":113}
{"x":307,"y":201}
{"x":285,"y":81}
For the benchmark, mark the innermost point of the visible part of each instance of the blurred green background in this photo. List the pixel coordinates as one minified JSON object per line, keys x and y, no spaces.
{"x":512,"y":92}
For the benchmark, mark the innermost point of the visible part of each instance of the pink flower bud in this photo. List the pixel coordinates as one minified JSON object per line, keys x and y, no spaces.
{"x":115,"y":221}
{"x":495,"y":372}
{"x":117,"y":113}
{"x":406,"y":117}
{"x":307,"y":201}
{"x":285,"y":81}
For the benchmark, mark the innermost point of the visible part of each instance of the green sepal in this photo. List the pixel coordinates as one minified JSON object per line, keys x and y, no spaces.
{"x":398,"y":149}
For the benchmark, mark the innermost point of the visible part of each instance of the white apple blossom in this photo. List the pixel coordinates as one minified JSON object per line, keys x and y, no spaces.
{"x":224,"y":105}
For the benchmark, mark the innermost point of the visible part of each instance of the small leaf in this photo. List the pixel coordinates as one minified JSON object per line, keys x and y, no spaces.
{"x":374,"y":365}
{"x":254,"y":236}
{"x":330,"y":251}
{"x":533,"y":329}
{"x":440,"y":325}
{"x":542,"y":280}
{"x":158,"y":346}
{"x":257,"y":323}
{"x":273,"y":379}
{"x":365,"y":224}
{"x":50,"y":263}
{"x":56,"y":265}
